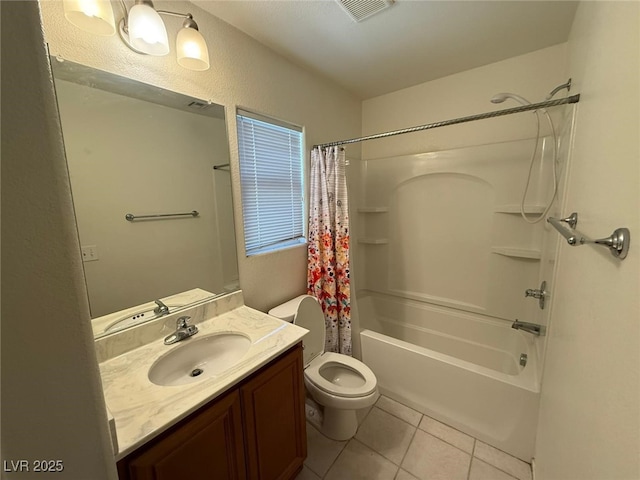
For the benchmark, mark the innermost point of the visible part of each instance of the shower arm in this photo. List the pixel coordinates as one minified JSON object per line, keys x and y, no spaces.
{"x":558,"y":88}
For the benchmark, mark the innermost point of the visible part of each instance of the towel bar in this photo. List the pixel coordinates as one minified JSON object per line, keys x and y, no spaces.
{"x":131,"y":217}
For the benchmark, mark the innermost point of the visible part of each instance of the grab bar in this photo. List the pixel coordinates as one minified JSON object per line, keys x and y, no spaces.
{"x":618,"y":241}
{"x":131,"y":217}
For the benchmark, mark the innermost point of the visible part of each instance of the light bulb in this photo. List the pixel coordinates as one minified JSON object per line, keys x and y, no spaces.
{"x":93,"y":16}
{"x":147,"y":32}
{"x":192,"y":51}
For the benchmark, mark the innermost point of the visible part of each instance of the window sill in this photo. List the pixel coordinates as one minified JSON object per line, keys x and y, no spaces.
{"x":300,"y":242}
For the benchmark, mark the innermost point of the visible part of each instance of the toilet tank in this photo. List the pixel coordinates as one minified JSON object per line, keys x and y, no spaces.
{"x":287,"y":311}
{"x":309,"y":316}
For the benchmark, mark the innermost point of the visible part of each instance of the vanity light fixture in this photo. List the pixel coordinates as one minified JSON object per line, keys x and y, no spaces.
{"x":142,"y":29}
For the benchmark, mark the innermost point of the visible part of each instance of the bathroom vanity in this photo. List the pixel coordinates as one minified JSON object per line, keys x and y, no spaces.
{"x":245,"y":422}
{"x":256,"y":430}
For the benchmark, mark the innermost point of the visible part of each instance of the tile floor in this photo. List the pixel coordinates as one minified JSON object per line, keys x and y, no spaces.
{"x":396,"y":442}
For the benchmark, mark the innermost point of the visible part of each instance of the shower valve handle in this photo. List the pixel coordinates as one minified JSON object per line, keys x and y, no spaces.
{"x":540,"y":294}
{"x":534,"y":292}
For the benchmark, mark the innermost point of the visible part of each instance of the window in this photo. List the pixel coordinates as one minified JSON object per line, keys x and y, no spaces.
{"x":271,"y":169}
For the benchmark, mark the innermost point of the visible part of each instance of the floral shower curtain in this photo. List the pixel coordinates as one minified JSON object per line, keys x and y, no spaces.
{"x":328,"y":251}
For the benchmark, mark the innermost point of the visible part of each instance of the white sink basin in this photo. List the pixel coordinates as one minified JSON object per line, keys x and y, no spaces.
{"x":199,"y":358}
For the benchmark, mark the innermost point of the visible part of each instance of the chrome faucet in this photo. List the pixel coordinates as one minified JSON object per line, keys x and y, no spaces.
{"x":532,"y":328}
{"x":183,"y":330}
{"x":161,"y":309}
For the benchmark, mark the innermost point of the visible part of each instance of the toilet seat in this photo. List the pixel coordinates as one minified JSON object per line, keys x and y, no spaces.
{"x":348,"y":364}
{"x":336,"y":375}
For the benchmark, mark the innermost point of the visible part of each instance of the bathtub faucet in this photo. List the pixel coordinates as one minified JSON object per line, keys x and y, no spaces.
{"x":532,"y":328}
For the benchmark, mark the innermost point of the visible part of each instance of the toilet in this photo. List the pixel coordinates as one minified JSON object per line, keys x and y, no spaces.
{"x":340,"y":383}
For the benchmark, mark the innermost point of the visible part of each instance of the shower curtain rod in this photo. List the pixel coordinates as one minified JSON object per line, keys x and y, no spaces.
{"x":455,"y":121}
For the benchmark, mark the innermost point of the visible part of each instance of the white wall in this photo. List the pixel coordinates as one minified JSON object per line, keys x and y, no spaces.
{"x":52,"y":402}
{"x":243,"y":73}
{"x":131,"y":156}
{"x":467,"y":93}
{"x":589,"y":424}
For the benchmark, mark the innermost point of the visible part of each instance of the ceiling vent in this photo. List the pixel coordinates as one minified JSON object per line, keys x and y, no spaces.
{"x":362,"y":9}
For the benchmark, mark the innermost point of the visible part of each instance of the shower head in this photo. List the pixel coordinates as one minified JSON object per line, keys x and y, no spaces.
{"x":501,"y":97}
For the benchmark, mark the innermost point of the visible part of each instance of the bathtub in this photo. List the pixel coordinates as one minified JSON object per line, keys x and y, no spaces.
{"x":461,"y":368}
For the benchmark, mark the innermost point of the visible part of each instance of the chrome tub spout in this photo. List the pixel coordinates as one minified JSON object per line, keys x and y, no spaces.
{"x":532,"y":328}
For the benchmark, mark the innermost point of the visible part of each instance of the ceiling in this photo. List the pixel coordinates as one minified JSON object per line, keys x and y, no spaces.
{"x":412,"y":42}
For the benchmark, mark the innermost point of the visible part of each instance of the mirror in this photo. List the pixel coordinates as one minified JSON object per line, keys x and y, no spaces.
{"x":140,"y":151}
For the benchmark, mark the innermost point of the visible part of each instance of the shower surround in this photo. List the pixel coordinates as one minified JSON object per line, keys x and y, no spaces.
{"x":444,"y":260}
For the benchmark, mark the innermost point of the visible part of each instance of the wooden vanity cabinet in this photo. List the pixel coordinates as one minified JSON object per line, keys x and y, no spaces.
{"x":208,"y":445}
{"x":275,"y":433}
{"x":255,"y":431}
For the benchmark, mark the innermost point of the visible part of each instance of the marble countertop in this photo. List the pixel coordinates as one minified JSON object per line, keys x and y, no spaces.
{"x":142,"y":409}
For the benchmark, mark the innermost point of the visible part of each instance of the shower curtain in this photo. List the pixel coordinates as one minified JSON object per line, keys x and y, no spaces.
{"x":328,"y":250}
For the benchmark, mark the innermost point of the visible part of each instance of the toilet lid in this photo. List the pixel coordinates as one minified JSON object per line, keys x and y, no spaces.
{"x":309,"y":315}
{"x":313,"y":374}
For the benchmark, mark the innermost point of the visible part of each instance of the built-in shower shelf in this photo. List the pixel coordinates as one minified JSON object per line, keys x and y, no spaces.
{"x":373,"y":241}
{"x":515,"y":208}
{"x":373,"y":209}
{"x":528,"y":253}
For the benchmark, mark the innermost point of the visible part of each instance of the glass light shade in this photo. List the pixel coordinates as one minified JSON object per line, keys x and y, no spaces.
{"x":147,"y":32}
{"x":192,"y":51}
{"x":93,"y":16}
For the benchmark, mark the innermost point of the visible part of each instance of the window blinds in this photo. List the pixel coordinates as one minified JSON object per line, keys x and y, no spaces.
{"x":271,"y":171}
